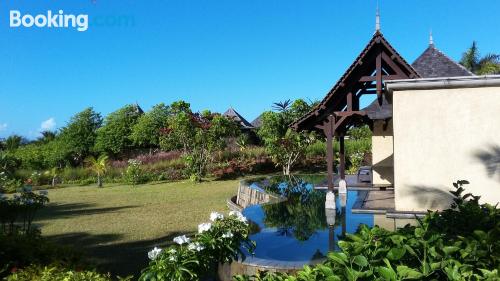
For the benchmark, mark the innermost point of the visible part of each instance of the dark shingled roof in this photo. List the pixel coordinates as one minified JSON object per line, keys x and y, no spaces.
{"x":257,"y":122}
{"x":138,"y":109}
{"x":375,"y":111}
{"x":434,"y":63}
{"x":231,"y":113}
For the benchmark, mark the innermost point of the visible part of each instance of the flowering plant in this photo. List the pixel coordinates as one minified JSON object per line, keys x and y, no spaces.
{"x":134,"y":172}
{"x":218,"y":241}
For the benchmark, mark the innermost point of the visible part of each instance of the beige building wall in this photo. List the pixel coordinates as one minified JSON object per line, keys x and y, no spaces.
{"x":382,"y":154}
{"x":441,"y":136}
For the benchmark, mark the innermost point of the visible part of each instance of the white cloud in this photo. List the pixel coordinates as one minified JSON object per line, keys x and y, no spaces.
{"x":3,"y":126}
{"x":48,"y":125}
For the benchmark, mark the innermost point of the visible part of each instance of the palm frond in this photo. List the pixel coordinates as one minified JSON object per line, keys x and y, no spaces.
{"x":282,"y":106}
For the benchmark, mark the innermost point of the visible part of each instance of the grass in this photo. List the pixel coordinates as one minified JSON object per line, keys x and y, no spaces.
{"x":117,"y":225}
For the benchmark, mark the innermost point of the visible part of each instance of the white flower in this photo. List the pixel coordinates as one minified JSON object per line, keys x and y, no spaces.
{"x":195,"y":247}
{"x":238,"y":216}
{"x":229,"y":234}
{"x":172,"y":251}
{"x":153,"y":254}
{"x":204,"y":227}
{"x":216,"y":216}
{"x":181,"y":240}
{"x":172,"y":258}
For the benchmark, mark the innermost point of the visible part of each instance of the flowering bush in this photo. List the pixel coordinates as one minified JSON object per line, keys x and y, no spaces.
{"x":8,"y":183}
{"x":35,"y":178}
{"x":217,"y":241}
{"x":134,"y":172}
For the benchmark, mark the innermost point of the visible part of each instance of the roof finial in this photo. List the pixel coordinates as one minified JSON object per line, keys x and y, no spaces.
{"x":431,"y":41}
{"x":377,"y":20}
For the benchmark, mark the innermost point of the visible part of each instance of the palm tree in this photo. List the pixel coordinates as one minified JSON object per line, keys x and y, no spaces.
{"x":98,"y":166}
{"x":53,"y":173}
{"x":488,"y":64}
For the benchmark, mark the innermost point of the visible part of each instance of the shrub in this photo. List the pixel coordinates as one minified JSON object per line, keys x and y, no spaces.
{"x":460,"y":243}
{"x":20,"y":250}
{"x":193,"y":259}
{"x":134,"y":174}
{"x":8,"y":184}
{"x":58,"y":273}
{"x":20,"y":243}
{"x":17,"y":213}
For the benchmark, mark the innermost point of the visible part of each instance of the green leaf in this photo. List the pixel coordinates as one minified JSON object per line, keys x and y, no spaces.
{"x":387,"y":273}
{"x":419,"y":232}
{"x":339,"y":258}
{"x":360,"y":260}
{"x":396,"y":253}
{"x":450,"y":249}
{"x":408,"y":273}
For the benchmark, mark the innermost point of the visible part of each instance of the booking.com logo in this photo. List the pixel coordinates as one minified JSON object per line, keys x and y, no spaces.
{"x":60,"y":19}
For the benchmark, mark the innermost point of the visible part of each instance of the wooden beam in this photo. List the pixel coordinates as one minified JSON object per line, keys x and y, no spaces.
{"x":394,"y":67}
{"x":349,"y":101}
{"x":384,"y":77}
{"x":349,"y":113}
{"x":378,"y":67}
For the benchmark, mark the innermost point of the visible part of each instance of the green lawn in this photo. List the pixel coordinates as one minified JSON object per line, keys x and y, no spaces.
{"x":117,"y":225}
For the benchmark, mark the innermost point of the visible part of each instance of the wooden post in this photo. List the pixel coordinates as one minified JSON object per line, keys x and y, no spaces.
{"x":331,"y":238}
{"x":328,"y":130}
{"x":342,"y":157}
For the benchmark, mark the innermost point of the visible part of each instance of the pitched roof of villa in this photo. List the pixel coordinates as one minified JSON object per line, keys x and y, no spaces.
{"x":434,"y":63}
{"x":138,"y":109}
{"x":257,"y":122}
{"x":231,"y":113}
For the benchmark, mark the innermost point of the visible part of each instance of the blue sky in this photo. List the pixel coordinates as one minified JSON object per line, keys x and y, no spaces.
{"x":211,"y":53}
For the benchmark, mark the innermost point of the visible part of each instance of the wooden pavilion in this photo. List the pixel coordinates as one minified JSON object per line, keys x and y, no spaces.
{"x":340,"y":109}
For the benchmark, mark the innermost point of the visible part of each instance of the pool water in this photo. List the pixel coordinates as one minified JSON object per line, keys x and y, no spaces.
{"x":296,"y":230}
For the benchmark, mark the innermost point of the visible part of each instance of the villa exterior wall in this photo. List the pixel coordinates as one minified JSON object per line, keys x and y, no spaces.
{"x":382,"y":154}
{"x":441,"y":136}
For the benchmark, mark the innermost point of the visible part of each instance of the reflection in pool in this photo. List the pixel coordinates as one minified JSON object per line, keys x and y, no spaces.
{"x":296,"y":230}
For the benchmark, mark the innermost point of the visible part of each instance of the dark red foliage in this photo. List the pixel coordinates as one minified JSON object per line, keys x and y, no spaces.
{"x":239,"y":167}
{"x":147,"y":159}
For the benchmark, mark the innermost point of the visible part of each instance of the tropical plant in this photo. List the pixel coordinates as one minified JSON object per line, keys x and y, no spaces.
{"x":53,"y":174}
{"x":243,"y":141}
{"x":283,"y":144}
{"x":47,"y":136}
{"x":13,"y":142}
{"x":472,"y":60}
{"x":98,"y":166}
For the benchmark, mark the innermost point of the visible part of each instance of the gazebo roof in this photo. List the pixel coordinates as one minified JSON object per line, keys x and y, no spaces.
{"x":377,"y":62}
{"x":231,"y":113}
{"x":434,"y":63}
